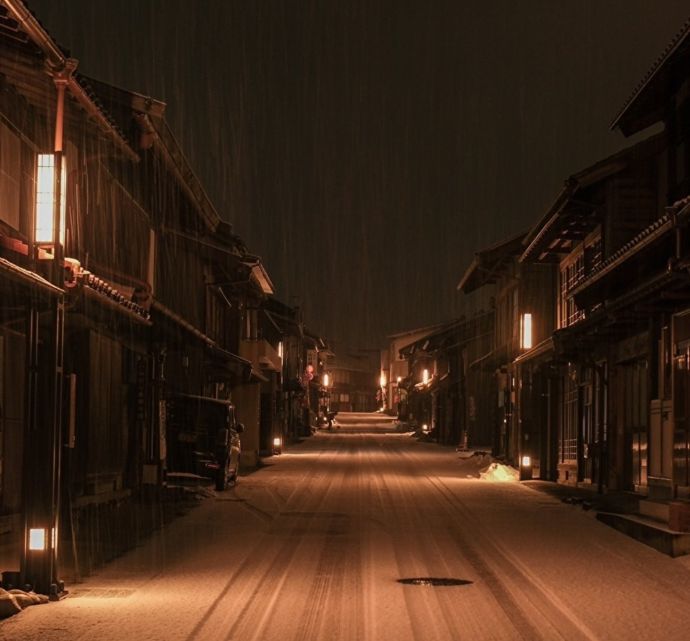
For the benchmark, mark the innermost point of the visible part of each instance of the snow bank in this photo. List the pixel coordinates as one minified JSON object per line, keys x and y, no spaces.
{"x":14,"y":601}
{"x":480,"y":465}
{"x":497,"y":472}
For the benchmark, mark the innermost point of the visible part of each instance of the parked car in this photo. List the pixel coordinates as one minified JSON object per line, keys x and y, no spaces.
{"x":203,"y":438}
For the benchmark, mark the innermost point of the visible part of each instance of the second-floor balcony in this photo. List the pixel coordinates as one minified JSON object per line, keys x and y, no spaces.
{"x":261,"y":354}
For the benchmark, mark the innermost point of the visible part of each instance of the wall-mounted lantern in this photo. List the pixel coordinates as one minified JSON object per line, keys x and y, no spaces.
{"x":49,"y":184}
{"x":526,"y":331}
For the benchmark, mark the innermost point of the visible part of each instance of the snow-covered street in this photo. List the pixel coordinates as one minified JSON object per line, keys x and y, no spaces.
{"x":313,"y":545}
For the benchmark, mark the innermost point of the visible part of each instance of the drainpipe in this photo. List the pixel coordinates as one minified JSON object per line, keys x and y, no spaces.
{"x":61,"y":81}
{"x":57,"y":61}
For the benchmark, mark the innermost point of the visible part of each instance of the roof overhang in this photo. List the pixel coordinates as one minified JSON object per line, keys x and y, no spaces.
{"x":572,"y":216}
{"x":646,"y":104}
{"x":25,"y":277}
{"x":489,"y":263}
{"x":21,"y":26}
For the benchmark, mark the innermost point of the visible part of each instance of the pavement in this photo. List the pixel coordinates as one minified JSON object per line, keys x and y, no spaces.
{"x":375,"y":536}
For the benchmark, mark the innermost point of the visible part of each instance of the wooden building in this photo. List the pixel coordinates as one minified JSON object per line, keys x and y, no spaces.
{"x":523,"y":309}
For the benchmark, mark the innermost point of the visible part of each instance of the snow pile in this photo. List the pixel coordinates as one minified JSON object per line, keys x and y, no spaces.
{"x":497,"y":472}
{"x":13,"y":601}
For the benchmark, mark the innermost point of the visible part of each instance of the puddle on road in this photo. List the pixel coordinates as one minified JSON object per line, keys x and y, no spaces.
{"x":434,"y":581}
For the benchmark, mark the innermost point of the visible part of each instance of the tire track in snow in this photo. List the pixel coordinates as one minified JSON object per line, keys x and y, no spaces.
{"x":423,"y":606}
{"x":505,"y":598}
{"x":485,"y":546}
{"x":204,"y":629}
{"x":324,"y":597}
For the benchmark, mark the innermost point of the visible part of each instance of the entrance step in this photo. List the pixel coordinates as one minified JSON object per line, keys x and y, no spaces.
{"x":649,"y":531}
{"x":655,"y":510}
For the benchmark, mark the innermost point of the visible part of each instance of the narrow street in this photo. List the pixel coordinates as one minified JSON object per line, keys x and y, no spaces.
{"x":313,"y":546}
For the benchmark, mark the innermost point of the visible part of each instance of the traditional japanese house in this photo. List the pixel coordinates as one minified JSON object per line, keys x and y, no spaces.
{"x":206,"y":303}
{"x":257,"y":401}
{"x":394,"y":368}
{"x":523,"y":320}
{"x":454,"y":401}
{"x":353,"y":379}
{"x":605,"y":345}
{"x":291,"y":351}
{"x":66,"y":205}
{"x":636,"y":299}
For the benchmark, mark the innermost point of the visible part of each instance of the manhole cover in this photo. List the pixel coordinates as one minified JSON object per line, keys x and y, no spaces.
{"x":101,"y":593}
{"x":433,"y":581}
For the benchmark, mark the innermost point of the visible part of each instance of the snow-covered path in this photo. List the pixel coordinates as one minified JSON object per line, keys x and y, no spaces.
{"x":311,"y":547}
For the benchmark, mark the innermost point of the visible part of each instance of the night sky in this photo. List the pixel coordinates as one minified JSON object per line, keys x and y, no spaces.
{"x":366,"y":150}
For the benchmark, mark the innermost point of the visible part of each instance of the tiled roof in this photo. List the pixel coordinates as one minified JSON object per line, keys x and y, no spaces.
{"x":676,"y":41}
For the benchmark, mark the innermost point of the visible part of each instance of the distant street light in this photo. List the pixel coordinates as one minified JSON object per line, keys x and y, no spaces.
{"x":277,"y":445}
{"x":382,"y":385}
{"x":525,"y":468}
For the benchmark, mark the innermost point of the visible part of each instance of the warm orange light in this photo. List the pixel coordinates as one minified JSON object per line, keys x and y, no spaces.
{"x":526,"y":461}
{"x":45,"y":199}
{"x":399,"y":379}
{"x":382,"y":380}
{"x":526,"y":331}
{"x":326,"y":380}
{"x":425,"y":376}
{"x":37,"y":539}
{"x":277,"y":442}
{"x":280,"y":350}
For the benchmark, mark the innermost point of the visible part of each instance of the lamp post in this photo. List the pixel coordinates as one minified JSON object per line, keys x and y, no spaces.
{"x":382,"y":385}
{"x":44,"y":375}
{"x":326,"y":382}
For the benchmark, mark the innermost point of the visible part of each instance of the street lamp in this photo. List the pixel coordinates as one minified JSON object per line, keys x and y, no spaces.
{"x":277,"y":445}
{"x":526,"y":468}
{"x":382,"y":385}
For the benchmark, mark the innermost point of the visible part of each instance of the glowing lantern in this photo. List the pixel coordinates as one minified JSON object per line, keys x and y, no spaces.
{"x":44,"y":227}
{"x":37,"y":539}
{"x":526,"y":331}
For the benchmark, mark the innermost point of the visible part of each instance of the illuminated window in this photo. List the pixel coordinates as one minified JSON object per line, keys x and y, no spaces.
{"x":45,"y":198}
{"x":526,"y":331}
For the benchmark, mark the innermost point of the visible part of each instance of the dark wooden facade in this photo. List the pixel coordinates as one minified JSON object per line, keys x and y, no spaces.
{"x":158,"y":297}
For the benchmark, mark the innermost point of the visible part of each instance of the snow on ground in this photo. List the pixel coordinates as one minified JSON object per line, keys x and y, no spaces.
{"x":311,"y":547}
